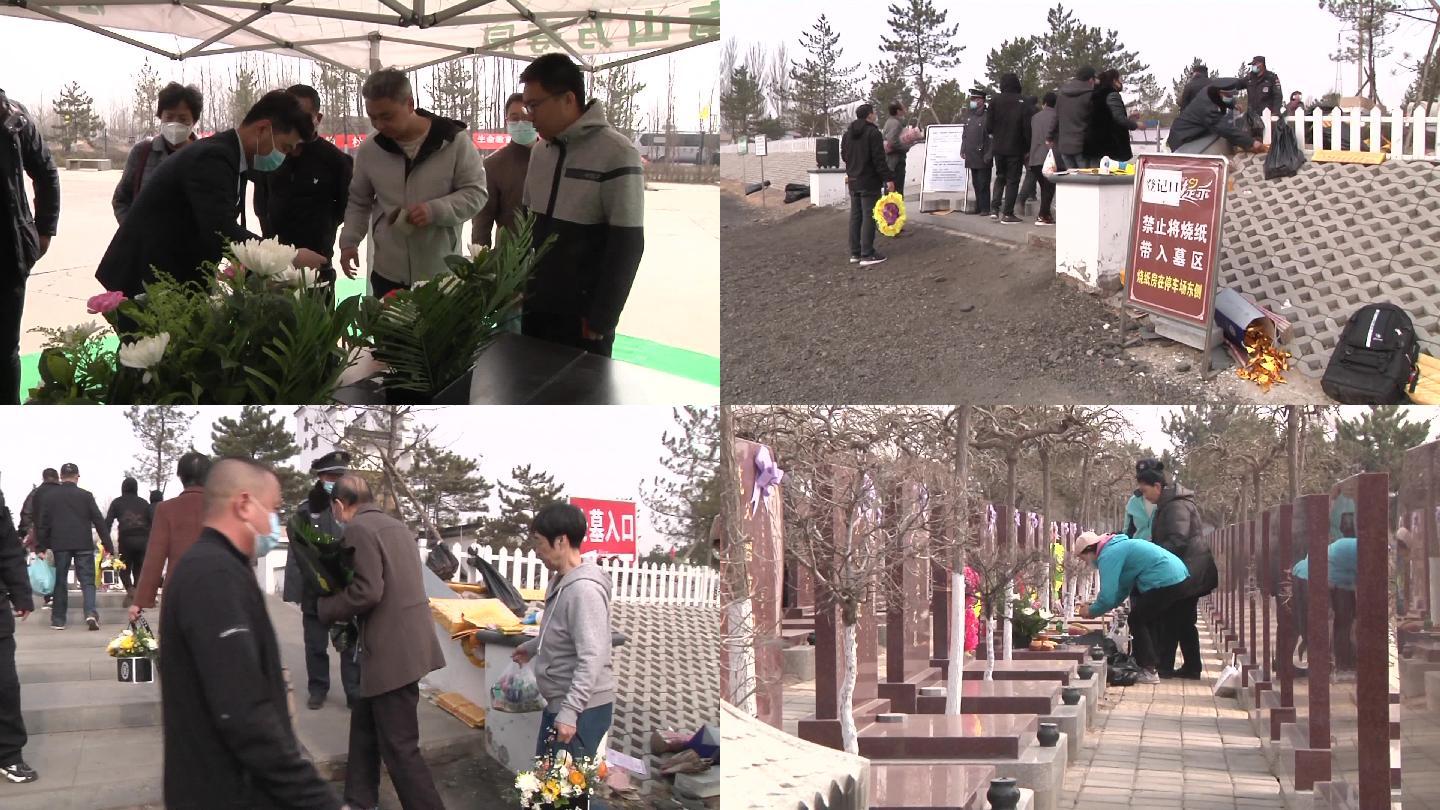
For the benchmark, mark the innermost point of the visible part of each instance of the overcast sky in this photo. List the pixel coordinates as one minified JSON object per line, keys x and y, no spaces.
{"x":1148,"y":421}
{"x":596,"y":452}
{"x":1295,"y":36}
{"x":39,"y":57}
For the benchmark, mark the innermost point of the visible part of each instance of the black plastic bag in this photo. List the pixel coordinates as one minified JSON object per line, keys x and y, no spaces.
{"x":795,"y":192}
{"x":1285,"y":158}
{"x":442,"y":561}
{"x":1253,"y":122}
{"x":498,"y":587}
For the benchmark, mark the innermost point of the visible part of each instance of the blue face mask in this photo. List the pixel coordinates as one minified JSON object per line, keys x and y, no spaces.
{"x":522,"y":132}
{"x":266,"y":543}
{"x":270,"y":161}
{"x":329,"y":487}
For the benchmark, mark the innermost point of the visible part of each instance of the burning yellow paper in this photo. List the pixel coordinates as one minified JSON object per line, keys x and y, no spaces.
{"x":1266,"y":365}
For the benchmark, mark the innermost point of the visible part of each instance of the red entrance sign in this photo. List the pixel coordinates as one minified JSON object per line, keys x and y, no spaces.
{"x":611,"y":526}
{"x":1175,"y":235}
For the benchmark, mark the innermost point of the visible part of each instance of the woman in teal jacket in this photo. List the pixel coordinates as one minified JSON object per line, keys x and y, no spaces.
{"x":1138,"y":517}
{"x":1152,"y":578}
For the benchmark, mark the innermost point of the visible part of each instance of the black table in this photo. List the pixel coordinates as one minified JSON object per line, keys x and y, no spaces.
{"x":519,"y":370}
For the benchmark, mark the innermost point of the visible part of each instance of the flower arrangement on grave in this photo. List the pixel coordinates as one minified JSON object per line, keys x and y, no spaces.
{"x":972,"y":610}
{"x":1028,"y":619}
{"x":560,"y":780}
{"x":890,"y":213}
{"x":430,"y":335}
{"x":254,"y":329}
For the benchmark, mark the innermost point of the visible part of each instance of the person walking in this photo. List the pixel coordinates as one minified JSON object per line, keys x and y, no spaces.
{"x":978,"y":152}
{"x":1005,"y":122}
{"x":16,"y":601}
{"x":1341,"y":557}
{"x":1262,"y":92}
{"x":174,"y":528}
{"x":24,"y":237}
{"x":1151,"y":577}
{"x":302,"y":203}
{"x":416,"y":182}
{"x":1199,"y":79}
{"x":49,"y":480}
{"x":397,"y":649}
{"x":229,"y":743}
{"x":586,"y":187}
{"x":65,"y":522}
{"x":1177,"y":528}
{"x":572,"y":653}
{"x":178,"y":107}
{"x":130,"y":514}
{"x":505,"y":173}
{"x":188,"y":208}
{"x":862,"y":147}
{"x":1206,"y":126}
{"x":1073,"y":107}
{"x":316,"y":515}
{"x":1041,"y":123}
{"x":896,"y":147}
{"x":1108,"y":134}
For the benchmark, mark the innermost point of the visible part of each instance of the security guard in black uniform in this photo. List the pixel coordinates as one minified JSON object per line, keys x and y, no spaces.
{"x":315,"y":511}
{"x":1262,"y":92}
{"x":16,"y":601}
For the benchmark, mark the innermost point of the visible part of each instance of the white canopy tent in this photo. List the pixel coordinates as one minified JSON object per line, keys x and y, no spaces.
{"x":362,"y":36}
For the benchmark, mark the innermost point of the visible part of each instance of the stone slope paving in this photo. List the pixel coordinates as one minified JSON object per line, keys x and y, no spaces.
{"x":668,"y":671}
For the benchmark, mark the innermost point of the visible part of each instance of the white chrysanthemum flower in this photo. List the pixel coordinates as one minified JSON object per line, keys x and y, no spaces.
{"x":477,"y":250}
{"x":266,"y":257}
{"x":527,"y":783}
{"x":145,"y":353}
{"x":299,"y":277}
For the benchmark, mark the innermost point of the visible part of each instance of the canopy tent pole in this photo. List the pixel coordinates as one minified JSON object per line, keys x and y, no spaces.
{"x":549,"y":31}
{"x":225,"y":32}
{"x":40,"y":9}
{"x":374,"y":53}
{"x":277,"y":40}
{"x":663,"y":51}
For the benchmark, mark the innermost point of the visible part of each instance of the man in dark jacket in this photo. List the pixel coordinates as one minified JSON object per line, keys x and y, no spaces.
{"x":49,"y":480}
{"x":24,"y":237}
{"x":1040,"y":146}
{"x":316,"y":514}
{"x":1178,"y":529}
{"x":1199,"y":80}
{"x":1207,"y":127}
{"x":15,"y":600}
{"x":1072,"y":118}
{"x":505,"y":173}
{"x":862,"y":147}
{"x":302,"y":203}
{"x":1005,"y":121}
{"x":1262,"y":92}
{"x":132,"y":513}
{"x":397,"y":648}
{"x":979,"y":154}
{"x":586,"y":186}
{"x":228,"y":739}
{"x":64,"y":528}
{"x":1110,"y":124}
{"x":183,"y":214}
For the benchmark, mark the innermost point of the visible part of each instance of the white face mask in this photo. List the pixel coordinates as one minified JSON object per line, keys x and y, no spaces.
{"x":175,"y":133}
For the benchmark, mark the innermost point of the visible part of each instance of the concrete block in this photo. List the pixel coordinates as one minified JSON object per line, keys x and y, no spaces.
{"x":800,"y":663}
{"x":1072,"y":723}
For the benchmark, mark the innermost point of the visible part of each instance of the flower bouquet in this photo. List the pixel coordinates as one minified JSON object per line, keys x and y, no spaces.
{"x":560,"y":780}
{"x":890,"y":213}
{"x":134,"y":650}
{"x":429,"y":336}
{"x":328,"y":566}
{"x":254,"y":330}
{"x":1027,"y":620}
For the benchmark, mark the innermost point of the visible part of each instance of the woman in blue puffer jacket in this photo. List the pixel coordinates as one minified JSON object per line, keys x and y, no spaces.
{"x":1151,"y":577}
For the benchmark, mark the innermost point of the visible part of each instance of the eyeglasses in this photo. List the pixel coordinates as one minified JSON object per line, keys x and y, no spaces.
{"x":531,"y":106}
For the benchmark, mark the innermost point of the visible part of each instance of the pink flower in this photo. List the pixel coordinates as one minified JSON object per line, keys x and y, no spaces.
{"x":228,"y":272}
{"x":104,"y":303}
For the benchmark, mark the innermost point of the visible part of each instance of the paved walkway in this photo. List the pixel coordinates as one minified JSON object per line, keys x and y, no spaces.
{"x":1172,"y":746}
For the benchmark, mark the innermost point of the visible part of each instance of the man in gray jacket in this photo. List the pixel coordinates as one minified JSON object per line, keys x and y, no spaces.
{"x":572,"y":653}
{"x":417,"y":181}
{"x":1040,"y":145}
{"x":895,"y":147}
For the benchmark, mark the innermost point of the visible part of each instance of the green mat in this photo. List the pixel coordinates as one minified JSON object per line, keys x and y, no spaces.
{"x":702,"y":368}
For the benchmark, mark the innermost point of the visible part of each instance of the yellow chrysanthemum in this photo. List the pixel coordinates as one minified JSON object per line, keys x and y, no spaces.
{"x":890,"y":214}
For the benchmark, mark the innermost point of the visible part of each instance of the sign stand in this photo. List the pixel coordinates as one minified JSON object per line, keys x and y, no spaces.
{"x":944,"y":170}
{"x":762,"y":146}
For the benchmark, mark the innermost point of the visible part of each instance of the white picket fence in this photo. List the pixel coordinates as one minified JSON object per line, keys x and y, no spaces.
{"x":1402,"y":137}
{"x":646,"y":583}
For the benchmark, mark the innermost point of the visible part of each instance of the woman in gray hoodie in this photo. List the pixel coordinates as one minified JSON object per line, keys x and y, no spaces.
{"x":572,"y":653}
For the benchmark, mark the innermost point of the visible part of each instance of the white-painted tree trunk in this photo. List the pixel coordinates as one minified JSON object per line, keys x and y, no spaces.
{"x":990,"y":647}
{"x":957,"y":643}
{"x":742,"y":657}
{"x":1007,"y":641}
{"x":849,"y":737}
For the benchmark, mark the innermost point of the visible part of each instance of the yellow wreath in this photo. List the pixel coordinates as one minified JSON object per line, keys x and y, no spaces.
{"x":890,"y":214}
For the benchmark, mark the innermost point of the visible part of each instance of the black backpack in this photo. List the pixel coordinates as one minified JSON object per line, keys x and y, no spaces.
{"x":1375,"y":360}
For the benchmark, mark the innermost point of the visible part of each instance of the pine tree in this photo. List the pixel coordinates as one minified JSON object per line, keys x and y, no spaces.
{"x":821,"y":82}
{"x":1368,"y":23}
{"x":164,"y":434}
{"x":890,"y":85}
{"x":75,"y":116}
{"x":147,"y":95}
{"x":921,"y":44}
{"x":685,"y":503}
{"x":257,"y":434}
{"x":1177,"y":87}
{"x":244,"y":92}
{"x":520,"y":498}
{"x":448,"y":486}
{"x":1377,"y":441}
{"x":1149,"y":98}
{"x":452,"y":90}
{"x":949,"y":101}
{"x":1069,"y":45}
{"x":742,"y":105}
{"x":1022,"y":57}
{"x":621,"y":91}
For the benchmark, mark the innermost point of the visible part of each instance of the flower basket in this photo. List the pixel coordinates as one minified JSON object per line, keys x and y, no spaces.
{"x":139,"y":669}
{"x":559,"y":780}
{"x":890,"y":214}
{"x":134,"y":651}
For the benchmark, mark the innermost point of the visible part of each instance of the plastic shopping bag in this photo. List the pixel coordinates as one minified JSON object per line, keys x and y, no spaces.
{"x":1228,"y":681}
{"x":1285,"y":158}
{"x":516,"y":691}
{"x":1048,"y":168}
{"x":42,"y":576}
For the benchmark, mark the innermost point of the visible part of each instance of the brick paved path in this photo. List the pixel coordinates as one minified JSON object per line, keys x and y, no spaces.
{"x":1172,"y":747}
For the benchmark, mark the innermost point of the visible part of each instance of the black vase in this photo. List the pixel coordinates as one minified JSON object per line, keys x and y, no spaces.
{"x":1003,"y":794}
{"x":1084,"y":671}
{"x":1071,"y":695}
{"x":1097,"y":653}
{"x":1048,"y":735}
